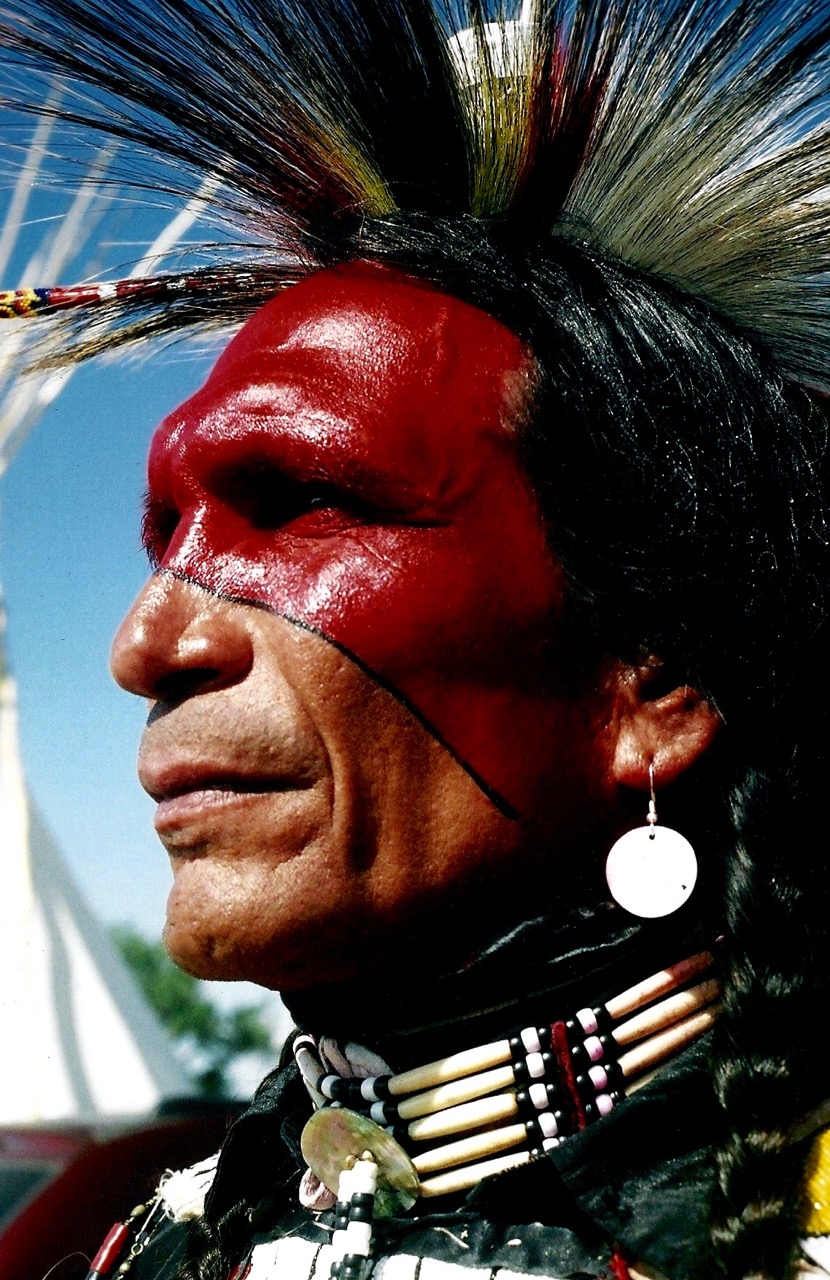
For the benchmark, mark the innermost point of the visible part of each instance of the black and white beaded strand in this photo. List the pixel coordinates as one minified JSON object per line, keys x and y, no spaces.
{"x":353,"y":1218}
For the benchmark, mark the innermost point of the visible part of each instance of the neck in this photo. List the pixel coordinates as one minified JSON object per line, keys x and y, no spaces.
{"x":536,"y":972}
{"x":498,"y":1105}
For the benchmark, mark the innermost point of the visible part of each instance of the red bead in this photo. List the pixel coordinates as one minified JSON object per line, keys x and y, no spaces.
{"x":110,"y":1250}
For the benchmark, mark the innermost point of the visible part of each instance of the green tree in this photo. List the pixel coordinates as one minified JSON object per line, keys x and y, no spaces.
{"x":189,"y":1015}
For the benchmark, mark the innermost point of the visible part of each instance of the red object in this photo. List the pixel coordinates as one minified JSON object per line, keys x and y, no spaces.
{"x":619,"y":1267}
{"x":89,"y":1179}
{"x":559,"y":1044}
{"x":110,"y":1250}
{"x":351,"y":465}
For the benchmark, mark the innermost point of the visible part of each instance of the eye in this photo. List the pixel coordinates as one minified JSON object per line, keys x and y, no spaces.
{"x":158,"y":524}
{"x":268,"y":499}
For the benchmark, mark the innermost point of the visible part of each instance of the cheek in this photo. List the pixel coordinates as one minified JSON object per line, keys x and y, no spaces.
{"x":455,"y":620}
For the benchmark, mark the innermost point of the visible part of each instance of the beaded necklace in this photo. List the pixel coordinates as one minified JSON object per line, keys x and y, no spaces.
{"x":378,"y":1141}
{"x":503,"y":1104}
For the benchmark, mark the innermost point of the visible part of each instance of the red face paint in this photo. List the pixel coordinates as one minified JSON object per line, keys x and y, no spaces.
{"x":351,"y":464}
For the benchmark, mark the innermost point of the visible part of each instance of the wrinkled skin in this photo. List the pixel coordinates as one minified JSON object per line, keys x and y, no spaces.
{"x":360,"y":720}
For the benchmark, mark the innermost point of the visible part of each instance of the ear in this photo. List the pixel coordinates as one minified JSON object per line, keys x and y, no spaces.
{"x":669,"y":731}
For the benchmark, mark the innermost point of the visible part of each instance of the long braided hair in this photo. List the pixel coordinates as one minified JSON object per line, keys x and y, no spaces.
{"x":639,"y":189}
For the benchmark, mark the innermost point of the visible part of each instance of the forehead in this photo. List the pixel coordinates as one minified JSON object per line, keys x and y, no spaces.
{"x":363,"y":359}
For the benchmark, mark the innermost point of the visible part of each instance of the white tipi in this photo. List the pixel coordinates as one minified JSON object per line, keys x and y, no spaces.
{"x":79,"y":1041}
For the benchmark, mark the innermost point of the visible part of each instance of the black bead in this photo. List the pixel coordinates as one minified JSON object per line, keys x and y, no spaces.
{"x":585,"y":1087}
{"x":381,"y":1085}
{"x":549,"y":1062}
{"x":614,"y":1072}
{"x":580,"y":1058}
{"x":520,"y":1072}
{"x":545,"y":1037}
{"x":362,"y":1207}
{"x":604,"y":1019}
{"x":338,"y":1089}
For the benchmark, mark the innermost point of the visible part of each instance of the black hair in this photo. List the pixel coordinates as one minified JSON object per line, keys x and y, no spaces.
{"x":685,"y":486}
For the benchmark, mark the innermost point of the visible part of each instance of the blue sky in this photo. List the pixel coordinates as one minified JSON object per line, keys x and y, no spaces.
{"x":70,"y":564}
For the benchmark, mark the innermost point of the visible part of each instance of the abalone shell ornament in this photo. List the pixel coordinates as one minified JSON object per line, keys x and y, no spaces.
{"x":651,"y":871}
{"x":335,"y":1137}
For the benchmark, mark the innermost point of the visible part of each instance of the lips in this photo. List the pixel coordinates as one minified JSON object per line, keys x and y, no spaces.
{"x":185,"y":790}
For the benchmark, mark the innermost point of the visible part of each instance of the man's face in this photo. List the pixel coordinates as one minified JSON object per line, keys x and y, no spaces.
{"x":360,"y":726}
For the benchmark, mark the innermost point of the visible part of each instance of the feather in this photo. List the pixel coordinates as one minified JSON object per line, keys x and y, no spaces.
{"x":688,"y":139}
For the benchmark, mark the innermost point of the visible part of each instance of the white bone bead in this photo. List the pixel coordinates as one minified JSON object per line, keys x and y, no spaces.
{"x":667,"y":1012}
{"x":450,"y":1095}
{"x":470,"y":1115}
{"x":367,"y":1090}
{"x":461,"y":1179}
{"x":658,"y":984}
{"x":657,"y":1048}
{"x":451,"y":1068}
{"x":359,"y":1238}
{"x":345,"y":1186}
{"x":483,"y":1144}
{"x":364,"y":1177}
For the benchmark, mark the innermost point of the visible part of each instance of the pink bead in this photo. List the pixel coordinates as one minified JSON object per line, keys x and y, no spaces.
{"x":588,"y":1021}
{"x":530,"y":1040}
{"x":594,"y":1049}
{"x":538,"y":1095}
{"x":547,"y":1123}
{"x":604,"y":1104}
{"x":598,"y":1077}
{"x":535,"y":1066}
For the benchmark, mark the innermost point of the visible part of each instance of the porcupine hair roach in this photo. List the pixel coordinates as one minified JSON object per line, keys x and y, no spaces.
{"x":639,"y":189}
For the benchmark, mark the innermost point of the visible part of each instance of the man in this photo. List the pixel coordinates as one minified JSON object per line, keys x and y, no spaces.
{"x":355,"y":591}
{"x":498,"y":534}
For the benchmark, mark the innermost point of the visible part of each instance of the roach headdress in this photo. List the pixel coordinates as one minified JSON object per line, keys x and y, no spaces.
{"x":687,"y":141}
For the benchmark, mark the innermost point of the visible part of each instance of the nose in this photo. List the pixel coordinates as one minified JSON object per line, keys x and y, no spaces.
{"x":178,"y":640}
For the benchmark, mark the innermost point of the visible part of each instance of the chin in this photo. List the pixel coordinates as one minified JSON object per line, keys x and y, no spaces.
{"x":224,"y":945}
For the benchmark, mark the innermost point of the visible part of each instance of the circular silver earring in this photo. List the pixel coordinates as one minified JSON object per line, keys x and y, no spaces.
{"x":651,"y":871}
